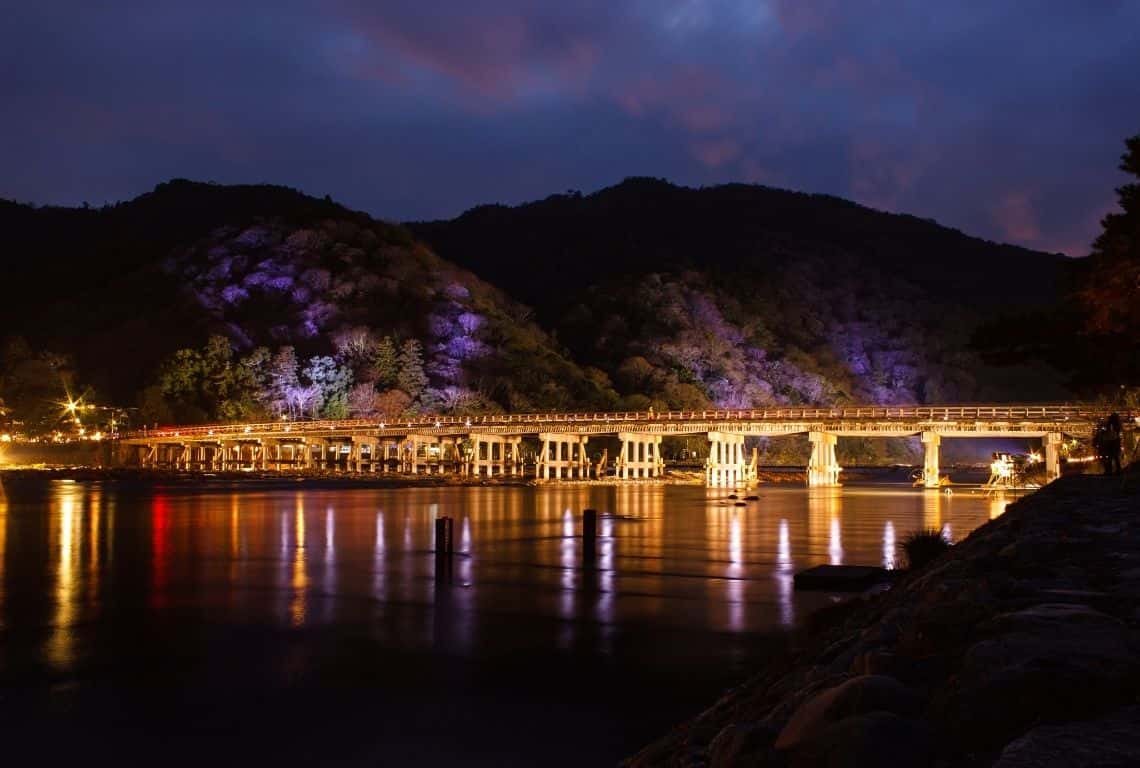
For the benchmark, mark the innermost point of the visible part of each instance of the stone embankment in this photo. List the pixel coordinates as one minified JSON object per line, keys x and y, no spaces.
{"x":1019,"y":647}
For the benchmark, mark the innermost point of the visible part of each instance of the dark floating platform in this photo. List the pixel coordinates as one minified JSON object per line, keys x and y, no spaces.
{"x":842,"y":578}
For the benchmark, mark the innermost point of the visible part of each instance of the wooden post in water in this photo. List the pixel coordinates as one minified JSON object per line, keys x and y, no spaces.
{"x":444,"y":547}
{"x":589,"y":536}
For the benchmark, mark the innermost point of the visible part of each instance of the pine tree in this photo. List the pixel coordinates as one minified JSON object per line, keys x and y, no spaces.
{"x":412,"y":378}
{"x":385,"y":363}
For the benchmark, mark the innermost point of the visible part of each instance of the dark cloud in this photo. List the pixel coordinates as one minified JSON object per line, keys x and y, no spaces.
{"x":1004,"y":119}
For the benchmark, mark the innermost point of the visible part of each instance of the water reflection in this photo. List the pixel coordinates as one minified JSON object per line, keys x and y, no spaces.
{"x":3,"y":552}
{"x":890,"y":548}
{"x":379,"y":585}
{"x":735,"y":574}
{"x":70,"y":517}
{"x":932,"y":510}
{"x":159,"y":550}
{"x":785,"y":576}
{"x":666,"y":556}
{"x":568,"y":550}
{"x":823,"y":515}
{"x":300,"y":581}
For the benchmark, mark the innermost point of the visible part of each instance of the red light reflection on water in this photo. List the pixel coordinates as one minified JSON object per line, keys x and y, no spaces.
{"x":160,"y":550}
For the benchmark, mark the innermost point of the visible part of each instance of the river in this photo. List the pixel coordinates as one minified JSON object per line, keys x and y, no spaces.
{"x":309,"y":626}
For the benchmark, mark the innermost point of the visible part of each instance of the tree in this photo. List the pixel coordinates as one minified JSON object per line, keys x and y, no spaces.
{"x":354,"y":347}
{"x":385,"y":363}
{"x":33,"y":385}
{"x":1111,"y":291}
{"x":362,"y":401}
{"x":283,"y":382}
{"x":392,"y":403}
{"x":412,"y":378}
{"x":332,"y":382}
{"x":217,"y":358}
{"x":180,"y":377}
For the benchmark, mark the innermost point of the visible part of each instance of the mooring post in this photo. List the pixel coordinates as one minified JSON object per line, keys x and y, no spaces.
{"x":589,"y":535}
{"x":444,"y":547}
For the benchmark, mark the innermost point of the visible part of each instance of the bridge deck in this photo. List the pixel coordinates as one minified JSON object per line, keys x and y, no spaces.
{"x":861,"y":420}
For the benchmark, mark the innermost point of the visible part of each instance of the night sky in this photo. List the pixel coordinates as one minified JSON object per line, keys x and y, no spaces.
{"x":1005,"y":119}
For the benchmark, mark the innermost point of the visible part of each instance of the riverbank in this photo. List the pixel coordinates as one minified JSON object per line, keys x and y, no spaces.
{"x":1017,"y":648}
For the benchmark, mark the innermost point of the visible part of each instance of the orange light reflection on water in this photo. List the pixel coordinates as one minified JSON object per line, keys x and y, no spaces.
{"x":3,"y":549}
{"x":60,"y":645}
{"x":300,"y":582}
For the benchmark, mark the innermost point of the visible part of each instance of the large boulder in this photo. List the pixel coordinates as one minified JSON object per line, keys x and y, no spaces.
{"x":1048,"y":662}
{"x":1110,"y":742}
{"x":739,"y":744}
{"x":857,"y":696}
{"x":872,"y":740}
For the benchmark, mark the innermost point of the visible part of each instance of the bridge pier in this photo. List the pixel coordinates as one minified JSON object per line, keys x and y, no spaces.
{"x":823,"y":468}
{"x":493,"y":452}
{"x":931,"y":442}
{"x":640,"y":456}
{"x":725,"y":465}
{"x":1052,"y":442}
{"x":417,"y":454}
{"x":360,"y":453}
{"x":554,"y":460}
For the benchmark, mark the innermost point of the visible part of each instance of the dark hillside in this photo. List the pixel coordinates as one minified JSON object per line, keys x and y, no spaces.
{"x":743,"y":294}
{"x":119,"y":289}
{"x":542,"y":251}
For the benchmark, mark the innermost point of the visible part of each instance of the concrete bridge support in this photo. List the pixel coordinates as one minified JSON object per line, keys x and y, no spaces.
{"x":361,"y":452}
{"x":563,"y":456}
{"x":1052,"y":442}
{"x":931,"y":443}
{"x":388,"y":455}
{"x":417,"y":454}
{"x":494,"y":455}
{"x":640,"y":456}
{"x":725,"y":465}
{"x":294,"y":455}
{"x":823,"y":468}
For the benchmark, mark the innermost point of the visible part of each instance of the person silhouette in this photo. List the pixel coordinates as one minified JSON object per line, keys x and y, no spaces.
{"x":1112,"y":444}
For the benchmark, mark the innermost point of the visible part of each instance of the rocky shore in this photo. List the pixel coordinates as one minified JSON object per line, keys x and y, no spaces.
{"x":1019,"y":647}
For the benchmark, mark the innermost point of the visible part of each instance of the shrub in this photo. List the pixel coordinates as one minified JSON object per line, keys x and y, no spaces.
{"x":922,"y":547}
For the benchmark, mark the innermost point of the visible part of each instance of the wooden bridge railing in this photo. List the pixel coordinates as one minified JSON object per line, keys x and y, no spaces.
{"x":919,"y":413}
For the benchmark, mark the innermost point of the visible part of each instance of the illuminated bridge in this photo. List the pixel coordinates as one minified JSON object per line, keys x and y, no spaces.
{"x":492,"y":445}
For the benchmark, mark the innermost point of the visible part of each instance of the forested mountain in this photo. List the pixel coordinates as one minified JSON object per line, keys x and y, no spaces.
{"x":201,"y":301}
{"x":143,"y":296}
{"x":744,"y":294}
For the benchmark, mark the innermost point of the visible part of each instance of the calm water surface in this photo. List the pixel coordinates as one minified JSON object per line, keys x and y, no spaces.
{"x":310,"y":625}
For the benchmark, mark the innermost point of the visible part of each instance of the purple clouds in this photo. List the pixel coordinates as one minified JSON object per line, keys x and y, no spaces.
{"x":1002,"y":120}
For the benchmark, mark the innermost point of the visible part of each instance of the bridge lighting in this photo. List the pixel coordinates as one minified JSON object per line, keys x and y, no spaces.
{"x":438,"y":425}
{"x":382,"y":425}
{"x":247,"y":430}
